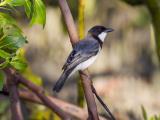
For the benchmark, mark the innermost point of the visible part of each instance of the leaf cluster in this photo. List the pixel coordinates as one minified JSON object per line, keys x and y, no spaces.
{"x":145,"y":116}
{"x":11,"y":36}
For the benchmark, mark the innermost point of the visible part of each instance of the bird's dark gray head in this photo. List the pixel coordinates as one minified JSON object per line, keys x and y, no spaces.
{"x":100,"y":32}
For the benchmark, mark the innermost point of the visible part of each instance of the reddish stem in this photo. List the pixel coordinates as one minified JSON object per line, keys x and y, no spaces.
{"x":16,"y":111}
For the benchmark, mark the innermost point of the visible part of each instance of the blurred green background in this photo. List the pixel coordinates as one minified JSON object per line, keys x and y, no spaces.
{"x":126,"y":73}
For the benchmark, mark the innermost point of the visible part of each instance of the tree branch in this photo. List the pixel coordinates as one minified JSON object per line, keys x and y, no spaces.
{"x":67,"y":107}
{"x":41,"y":94}
{"x":14,"y":96}
{"x":92,"y":108}
{"x":71,"y":109}
{"x":87,"y":83}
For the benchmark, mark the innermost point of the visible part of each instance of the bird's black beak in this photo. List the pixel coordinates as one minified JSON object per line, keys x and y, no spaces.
{"x":109,"y":30}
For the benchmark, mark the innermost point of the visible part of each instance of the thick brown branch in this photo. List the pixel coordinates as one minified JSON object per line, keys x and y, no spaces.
{"x":40,"y":93}
{"x":14,"y":96}
{"x":67,"y":107}
{"x":92,"y":108}
{"x":71,"y":109}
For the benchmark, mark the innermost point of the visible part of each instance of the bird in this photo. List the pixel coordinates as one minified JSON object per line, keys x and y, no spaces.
{"x":84,"y":53}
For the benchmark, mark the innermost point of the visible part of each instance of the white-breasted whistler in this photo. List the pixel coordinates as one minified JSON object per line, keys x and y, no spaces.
{"x":84,"y":53}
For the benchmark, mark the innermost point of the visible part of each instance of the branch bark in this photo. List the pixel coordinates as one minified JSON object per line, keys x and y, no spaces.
{"x":86,"y":81}
{"x":41,"y":94}
{"x":71,"y":109}
{"x":69,"y":21}
{"x":16,"y":112}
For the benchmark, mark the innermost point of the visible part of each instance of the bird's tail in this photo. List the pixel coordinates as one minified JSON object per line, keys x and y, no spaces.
{"x":59,"y":84}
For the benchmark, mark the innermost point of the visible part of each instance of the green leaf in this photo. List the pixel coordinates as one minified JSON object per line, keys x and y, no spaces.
{"x":144,"y":113}
{"x":28,"y":8}
{"x":4,"y":54}
{"x":4,"y":64}
{"x":12,"y":2}
{"x":8,"y":26}
{"x":2,"y":77}
{"x":19,"y":65}
{"x":18,"y":61}
{"x":16,"y":2}
{"x":12,"y":37}
{"x":11,"y":29}
{"x":12,"y":42}
{"x":39,"y":13}
{"x":6,"y":19}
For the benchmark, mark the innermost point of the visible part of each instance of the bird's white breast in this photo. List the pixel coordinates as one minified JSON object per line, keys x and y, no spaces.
{"x":84,"y":64}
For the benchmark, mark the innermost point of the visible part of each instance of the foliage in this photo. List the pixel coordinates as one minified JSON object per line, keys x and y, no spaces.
{"x":12,"y":39}
{"x":145,"y":116}
{"x":38,"y":15}
{"x":11,"y":36}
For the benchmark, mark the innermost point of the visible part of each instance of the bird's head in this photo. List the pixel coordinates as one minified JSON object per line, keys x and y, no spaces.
{"x":100,"y":32}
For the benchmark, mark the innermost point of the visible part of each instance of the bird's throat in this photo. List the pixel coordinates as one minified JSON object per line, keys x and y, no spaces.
{"x":98,"y":39}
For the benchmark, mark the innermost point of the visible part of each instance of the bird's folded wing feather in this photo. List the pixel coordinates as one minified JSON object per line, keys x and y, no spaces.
{"x":81,"y":52}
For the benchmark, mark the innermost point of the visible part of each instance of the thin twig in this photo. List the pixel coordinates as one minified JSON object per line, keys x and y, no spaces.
{"x":39,"y":91}
{"x":86,"y":82}
{"x":103,"y":104}
{"x":16,"y":111}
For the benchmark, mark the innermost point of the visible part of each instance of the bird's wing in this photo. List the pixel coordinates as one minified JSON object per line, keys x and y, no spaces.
{"x":81,"y":52}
